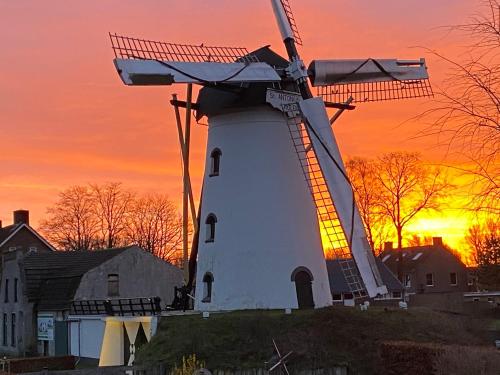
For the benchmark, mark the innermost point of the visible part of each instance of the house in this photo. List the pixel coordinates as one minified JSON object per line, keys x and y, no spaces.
{"x":341,"y":292}
{"x":428,"y":269}
{"x":16,"y":241}
{"x":21,"y":236}
{"x":48,"y":283}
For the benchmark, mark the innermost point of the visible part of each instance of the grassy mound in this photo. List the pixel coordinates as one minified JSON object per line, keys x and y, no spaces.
{"x":319,"y":339}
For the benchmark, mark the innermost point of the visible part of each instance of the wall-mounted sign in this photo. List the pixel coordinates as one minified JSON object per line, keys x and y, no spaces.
{"x":45,"y":323}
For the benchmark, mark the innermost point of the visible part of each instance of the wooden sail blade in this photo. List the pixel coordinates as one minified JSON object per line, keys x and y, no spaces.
{"x":286,"y":21}
{"x":370,"y":79}
{"x":156,"y":72}
{"x":339,"y":192}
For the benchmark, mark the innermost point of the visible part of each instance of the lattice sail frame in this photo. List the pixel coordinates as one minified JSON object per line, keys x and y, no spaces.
{"x":143,"y":49}
{"x":333,"y":237}
{"x":375,"y":91}
{"x":291,"y":20}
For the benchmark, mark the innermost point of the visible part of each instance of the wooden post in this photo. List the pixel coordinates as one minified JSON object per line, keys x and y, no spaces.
{"x":187,"y":197}
{"x":340,"y":111}
{"x":181,"y":143}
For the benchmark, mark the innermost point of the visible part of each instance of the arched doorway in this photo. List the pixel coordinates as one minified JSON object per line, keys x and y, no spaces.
{"x":303,"y":286}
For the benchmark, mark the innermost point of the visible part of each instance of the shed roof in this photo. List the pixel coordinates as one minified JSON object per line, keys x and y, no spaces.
{"x":339,"y":285}
{"x":53,"y":278}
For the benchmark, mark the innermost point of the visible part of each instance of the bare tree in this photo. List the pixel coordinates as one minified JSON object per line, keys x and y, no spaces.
{"x":155,"y":225}
{"x":416,"y":240}
{"x":97,"y":216}
{"x":484,"y":241}
{"x":466,"y":113}
{"x":407,"y":189}
{"x":112,"y":204}
{"x":71,"y":223}
{"x":367,"y":188}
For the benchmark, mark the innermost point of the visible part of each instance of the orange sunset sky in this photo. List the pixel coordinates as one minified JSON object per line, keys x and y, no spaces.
{"x":66,"y":118}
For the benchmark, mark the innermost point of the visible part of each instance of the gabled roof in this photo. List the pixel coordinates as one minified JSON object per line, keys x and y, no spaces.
{"x":53,"y":278}
{"x":413,"y":256}
{"x":339,"y":285}
{"x":8,"y":232}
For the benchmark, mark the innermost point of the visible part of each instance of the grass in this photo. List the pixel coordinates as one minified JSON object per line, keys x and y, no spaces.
{"x":319,"y":339}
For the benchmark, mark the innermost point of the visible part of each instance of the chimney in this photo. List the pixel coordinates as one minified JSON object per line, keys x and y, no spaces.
{"x":22,"y":217}
{"x":388,"y":246}
{"x":437,"y":241}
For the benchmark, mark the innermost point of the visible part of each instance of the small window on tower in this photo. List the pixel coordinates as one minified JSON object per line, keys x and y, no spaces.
{"x":215,"y":162}
{"x":210,"y":226}
{"x":113,"y":285}
{"x":208,"y":280}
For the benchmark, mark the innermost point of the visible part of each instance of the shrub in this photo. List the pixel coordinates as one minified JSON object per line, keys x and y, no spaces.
{"x":189,"y":366}
{"x":462,"y":360}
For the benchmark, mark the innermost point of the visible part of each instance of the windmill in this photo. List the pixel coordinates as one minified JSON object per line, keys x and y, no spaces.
{"x":275,"y":191}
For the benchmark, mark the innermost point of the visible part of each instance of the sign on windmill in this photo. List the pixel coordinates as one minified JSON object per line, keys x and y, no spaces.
{"x":274,"y":177}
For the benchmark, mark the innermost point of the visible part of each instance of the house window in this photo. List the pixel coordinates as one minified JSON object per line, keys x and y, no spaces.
{"x":407,"y":281}
{"x":215,"y":162}
{"x":348,"y":296}
{"x":208,"y":280}
{"x":33,"y":249}
{"x":453,"y":278}
{"x":210,"y":227}
{"x":4,"y":330}
{"x":13,"y":330}
{"x":396,"y":295}
{"x":429,"y":279}
{"x":6,"y":296}
{"x":15,"y":289}
{"x":337,"y":297}
{"x":113,"y":285}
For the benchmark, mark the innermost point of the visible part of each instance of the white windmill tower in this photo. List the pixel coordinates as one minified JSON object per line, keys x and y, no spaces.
{"x":274,"y":178}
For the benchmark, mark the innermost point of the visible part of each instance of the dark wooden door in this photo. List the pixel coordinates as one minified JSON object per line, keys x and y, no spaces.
{"x":61,"y":338}
{"x":303,"y":287}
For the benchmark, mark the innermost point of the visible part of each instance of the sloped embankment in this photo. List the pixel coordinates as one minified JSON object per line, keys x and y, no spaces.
{"x":319,"y":339}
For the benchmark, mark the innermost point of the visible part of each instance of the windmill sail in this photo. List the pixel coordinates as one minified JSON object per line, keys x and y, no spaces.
{"x":370,"y":79}
{"x":156,"y":72}
{"x":337,"y":212}
{"x":145,"y":62}
{"x":286,"y":20}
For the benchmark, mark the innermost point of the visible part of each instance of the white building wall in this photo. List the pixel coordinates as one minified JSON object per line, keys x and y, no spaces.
{"x":131,"y":266}
{"x":266,"y":218}
{"x":86,"y":334}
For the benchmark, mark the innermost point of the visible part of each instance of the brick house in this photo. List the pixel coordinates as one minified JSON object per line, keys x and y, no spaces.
{"x":428,"y":269}
{"x":16,"y":241}
{"x":21,"y":236}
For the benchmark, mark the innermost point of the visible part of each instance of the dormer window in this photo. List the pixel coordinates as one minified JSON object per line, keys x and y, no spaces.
{"x":215,"y":162}
{"x":210,"y":228}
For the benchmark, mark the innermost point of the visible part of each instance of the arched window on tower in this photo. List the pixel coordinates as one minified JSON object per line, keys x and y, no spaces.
{"x":208,"y":280}
{"x":210,"y":228}
{"x":215,"y":162}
